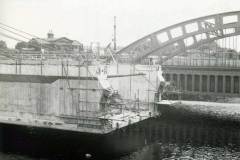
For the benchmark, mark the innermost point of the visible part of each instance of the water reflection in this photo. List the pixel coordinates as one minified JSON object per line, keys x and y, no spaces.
{"x":168,"y":151}
{"x":174,"y":137}
{"x":188,"y":138}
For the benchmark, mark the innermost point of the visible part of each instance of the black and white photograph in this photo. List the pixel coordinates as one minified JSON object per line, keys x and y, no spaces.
{"x":119,"y":80}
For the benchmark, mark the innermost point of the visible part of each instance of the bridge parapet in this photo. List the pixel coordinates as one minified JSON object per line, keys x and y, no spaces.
{"x":203,"y":62}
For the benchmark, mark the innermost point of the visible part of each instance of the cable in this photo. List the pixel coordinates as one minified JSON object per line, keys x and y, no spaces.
{"x":32,"y":35}
{"x":16,"y":39}
{"x":24,"y":36}
{"x":14,"y":33}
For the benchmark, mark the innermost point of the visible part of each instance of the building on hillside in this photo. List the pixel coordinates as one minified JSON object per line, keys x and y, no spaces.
{"x":61,"y":44}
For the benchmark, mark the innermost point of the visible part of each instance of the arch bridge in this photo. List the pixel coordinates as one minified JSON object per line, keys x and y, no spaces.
{"x":173,"y":40}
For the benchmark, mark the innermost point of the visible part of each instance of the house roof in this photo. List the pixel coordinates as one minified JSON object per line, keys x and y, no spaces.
{"x":76,"y":43}
{"x":60,"y":41}
{"x":40,"y":40}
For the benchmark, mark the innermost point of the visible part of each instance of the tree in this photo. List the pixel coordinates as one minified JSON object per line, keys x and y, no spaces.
{"x":35,"y":45}
{"x":3,"y":45}
{"x":21,"y":45}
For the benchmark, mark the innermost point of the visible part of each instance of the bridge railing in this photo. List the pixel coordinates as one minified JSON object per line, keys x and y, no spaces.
{"x":204,"y":62}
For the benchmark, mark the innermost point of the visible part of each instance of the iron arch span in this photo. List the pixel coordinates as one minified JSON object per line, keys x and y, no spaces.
{"x":184,"y":36}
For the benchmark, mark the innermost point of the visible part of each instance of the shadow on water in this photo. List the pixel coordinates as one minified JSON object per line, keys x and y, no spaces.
{"x":170,"y":136}
{"x":182,"y":135}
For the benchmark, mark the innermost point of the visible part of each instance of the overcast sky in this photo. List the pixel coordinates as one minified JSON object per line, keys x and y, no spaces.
{"x":92,"y":20}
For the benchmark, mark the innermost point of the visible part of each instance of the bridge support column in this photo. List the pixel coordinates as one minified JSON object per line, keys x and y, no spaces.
{"x":182,"y":82}
{"x":232,"y":84}
{"x":200,"y":83}
{"x":185,"y":81}
{"x":239,"y":84}
{"x":220,"y":84}
{"x":212,"y":83}
{"x":224,"y":83}
{"x":208,"y":83}
{"x":171,"y":77}
{"x":216,"y":83}
{"x":236,"y":84}
{"x":189,"y":82}
{"x":193,"y":83}
{"x":178,"y":81}
{"x":228,"y":84}
{"x":204,"y":83}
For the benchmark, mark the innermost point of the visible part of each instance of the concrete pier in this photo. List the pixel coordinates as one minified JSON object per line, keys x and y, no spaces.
{"x":62,"y":94}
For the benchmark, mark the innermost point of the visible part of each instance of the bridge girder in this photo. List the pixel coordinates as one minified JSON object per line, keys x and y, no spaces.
{"x":190,"y":34}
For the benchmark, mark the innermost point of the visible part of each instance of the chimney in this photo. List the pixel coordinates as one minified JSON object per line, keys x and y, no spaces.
{"x":50,"y":35}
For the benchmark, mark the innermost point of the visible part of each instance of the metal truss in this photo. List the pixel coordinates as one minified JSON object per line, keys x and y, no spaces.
{"x":190,"y":34}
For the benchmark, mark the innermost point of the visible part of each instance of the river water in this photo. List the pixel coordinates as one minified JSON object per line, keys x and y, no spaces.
{"x":171,"y":140}
{"x":159,"y":151}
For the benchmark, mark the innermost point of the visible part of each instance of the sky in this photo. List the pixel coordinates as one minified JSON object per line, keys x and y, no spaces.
{"x":92,"y":20}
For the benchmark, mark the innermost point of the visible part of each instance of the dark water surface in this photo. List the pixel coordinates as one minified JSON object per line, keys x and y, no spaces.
{"x":169,"y":151}
{"x":168,"y":138}
{"x":159,"y":151}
